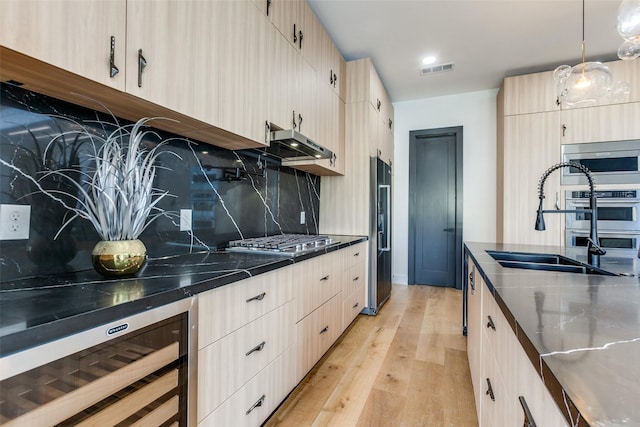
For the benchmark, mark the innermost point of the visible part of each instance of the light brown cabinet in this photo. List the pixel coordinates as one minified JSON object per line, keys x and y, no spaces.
{"x":354,"y":282}
{"x":614,"y":122}
{"x":501,"y":371}
{"x":62,"y":42}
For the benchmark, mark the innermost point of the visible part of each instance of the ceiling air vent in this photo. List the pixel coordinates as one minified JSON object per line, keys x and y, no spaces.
{"x":436,"y":69}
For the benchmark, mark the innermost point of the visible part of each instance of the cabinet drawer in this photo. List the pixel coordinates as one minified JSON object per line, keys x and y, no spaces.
{"x":355,"y":255}
{"x":316,"y":333}
{"x":497,"y":408}
{"x":225,"y":309}
{"x":225,"y":365}
{"x":316,"y":281}
{"x":352,"y":306}
{"x":354,"y":278}
{"x":254,"y":402}
{"x":493,"y":323}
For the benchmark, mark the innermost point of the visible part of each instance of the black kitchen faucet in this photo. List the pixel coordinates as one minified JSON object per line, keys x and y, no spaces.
{"x":594,"y":250}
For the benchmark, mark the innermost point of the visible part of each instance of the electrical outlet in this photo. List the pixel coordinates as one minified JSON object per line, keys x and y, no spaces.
{"x":14,"y":222}
{"x":303,"y":218}
{"x":186,"y":216}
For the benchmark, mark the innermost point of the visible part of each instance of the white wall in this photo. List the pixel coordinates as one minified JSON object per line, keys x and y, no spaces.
{"x":476,"y":113}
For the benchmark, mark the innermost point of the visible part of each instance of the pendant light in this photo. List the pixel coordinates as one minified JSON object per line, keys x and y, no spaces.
{"x":629,"y":29}
{"x":585,"y":83}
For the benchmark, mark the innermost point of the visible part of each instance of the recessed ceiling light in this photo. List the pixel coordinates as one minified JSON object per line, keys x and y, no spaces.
{"x":428,"y":60}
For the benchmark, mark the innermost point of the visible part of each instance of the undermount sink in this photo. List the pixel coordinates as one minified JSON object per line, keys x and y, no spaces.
{"x":547,"y":262}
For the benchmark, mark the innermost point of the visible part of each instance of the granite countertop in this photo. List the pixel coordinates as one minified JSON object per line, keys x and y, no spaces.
{"x":38,"y":310}
{"x":581,"y":332}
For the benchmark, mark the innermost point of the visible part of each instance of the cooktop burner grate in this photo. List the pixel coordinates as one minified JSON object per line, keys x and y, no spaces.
{"x":282,"y":244}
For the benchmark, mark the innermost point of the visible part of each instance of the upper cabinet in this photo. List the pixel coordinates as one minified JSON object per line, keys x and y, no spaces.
{"x":97,"y":53}
{"x":530,"y":93}
{"x":226,"y":72}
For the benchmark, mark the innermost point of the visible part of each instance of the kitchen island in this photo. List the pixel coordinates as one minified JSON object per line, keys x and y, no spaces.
{"x":580,"y":332}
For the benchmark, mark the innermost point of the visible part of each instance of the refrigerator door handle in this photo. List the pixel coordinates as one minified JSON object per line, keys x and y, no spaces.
{"x":383,"y":236}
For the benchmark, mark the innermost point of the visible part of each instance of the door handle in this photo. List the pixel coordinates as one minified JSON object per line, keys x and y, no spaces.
{"x":449,"y":230}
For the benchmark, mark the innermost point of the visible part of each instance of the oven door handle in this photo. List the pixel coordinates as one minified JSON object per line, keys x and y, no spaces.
{"x":608,"y":233}
{"x":601,"y":203}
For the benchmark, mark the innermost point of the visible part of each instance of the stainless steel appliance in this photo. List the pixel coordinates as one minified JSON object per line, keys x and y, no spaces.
{"x":618,"y":220}
{"x":290,"y":143}
{"x":379,"y":236}
{"x":613,"y":162}
{"x":282,"y":244}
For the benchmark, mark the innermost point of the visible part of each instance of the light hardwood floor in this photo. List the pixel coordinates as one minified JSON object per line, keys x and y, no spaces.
{"x":407,"y":366}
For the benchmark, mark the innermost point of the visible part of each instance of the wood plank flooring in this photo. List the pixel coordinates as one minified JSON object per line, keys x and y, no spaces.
{"x":407,"y":366}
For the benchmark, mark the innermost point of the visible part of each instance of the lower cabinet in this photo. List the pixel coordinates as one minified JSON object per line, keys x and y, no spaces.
{"x":259,"y":337}
{"x":504,"y":380}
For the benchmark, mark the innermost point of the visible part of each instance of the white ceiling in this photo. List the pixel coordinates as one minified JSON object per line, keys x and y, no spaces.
{"x":486,"y":39}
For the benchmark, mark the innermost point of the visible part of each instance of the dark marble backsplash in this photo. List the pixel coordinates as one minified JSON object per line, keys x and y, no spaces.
{"x":232,"y":194}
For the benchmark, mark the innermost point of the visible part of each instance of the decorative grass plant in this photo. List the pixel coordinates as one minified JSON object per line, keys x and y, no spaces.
{"x":117,"y":194}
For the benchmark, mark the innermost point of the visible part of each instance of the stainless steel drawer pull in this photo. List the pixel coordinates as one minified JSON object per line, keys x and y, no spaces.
{"x":490,"y":390}
{"x":490,"y":323}
{"x":259,"y":347}
{"x":255,"y":405}
{"x":325,"y":277}
{"x":356,"y":278}
{"x":257,"y":297}
{"x":325,"y":329}
{"x":528,"y":418}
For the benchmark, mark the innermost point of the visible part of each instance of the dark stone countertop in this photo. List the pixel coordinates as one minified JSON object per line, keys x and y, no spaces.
{"x":582,"y":336}
{"x":38,"y":310}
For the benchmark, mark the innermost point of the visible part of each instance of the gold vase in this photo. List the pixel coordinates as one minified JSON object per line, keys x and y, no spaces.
{"x":118,"y":257}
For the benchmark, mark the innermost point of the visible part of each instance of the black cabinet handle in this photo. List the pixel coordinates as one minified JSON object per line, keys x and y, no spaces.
{"x":356,"y":278}
{"x":490,"y":323}
{"x":330,"y":77}
{"x":255,"y":405}
{"x":293,"y":119}
{"x":564,"y":130}
{"x":528,"y":418}
{"x":490,"y":390}
{"x":356,"y":305}
{"x":472,"y":281}
{"x":257,"y":297}
{"x":268,"y":6}
{"x":379,"y":104}
{"x":335,"y":80}
{"x":324,"y":278}
{"x":390,"y":123}
{"x":299,"y":122}
{"x":300,"y":37}
{"x":142,"y":63}
{"x":259,"y":347}
{"x":356,"y":254}
{"x":325,"y":329}
{"x":295,"y":34}
{"x":113,"y":70}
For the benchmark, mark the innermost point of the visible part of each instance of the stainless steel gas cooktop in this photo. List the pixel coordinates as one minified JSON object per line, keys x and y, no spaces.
{"x":281,"y":244}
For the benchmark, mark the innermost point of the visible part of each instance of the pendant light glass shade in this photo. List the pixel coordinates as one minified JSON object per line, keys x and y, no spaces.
{"x":629,"y":29}
{"x":587,"y":82}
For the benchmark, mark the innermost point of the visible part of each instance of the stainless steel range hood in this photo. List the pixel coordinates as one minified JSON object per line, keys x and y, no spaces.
{"x":288,"y":144}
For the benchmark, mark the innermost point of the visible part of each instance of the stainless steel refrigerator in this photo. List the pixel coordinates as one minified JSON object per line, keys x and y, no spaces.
{"x":379,"y":236}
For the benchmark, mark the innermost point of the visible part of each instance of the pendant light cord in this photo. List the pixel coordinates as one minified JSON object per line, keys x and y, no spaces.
{"x":583,"y":42}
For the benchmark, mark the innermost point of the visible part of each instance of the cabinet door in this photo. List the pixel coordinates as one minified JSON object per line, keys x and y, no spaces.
{"x":475,"y":287}
{"x":285,"y":15}
{"x":604,"y":123}
{"x":72,"y":35}
{"x":177,"y":40}
{"x":531,"y":145}
{"x":284,"y":84}
{"x":244,"y":41}
{"x":531,"y":93}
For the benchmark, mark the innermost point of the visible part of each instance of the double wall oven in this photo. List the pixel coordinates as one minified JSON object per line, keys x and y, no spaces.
{"x":615,"y":166}
{"x":618,"y":220}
